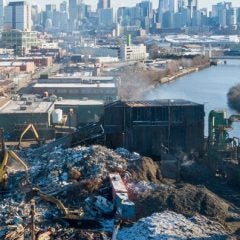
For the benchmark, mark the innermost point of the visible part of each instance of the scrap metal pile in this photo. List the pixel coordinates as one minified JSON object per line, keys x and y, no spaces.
{"x":79,"y":178}
{"x":170,"y":225}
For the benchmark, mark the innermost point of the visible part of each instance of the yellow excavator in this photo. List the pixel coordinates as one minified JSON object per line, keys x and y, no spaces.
{"x":74,"y":217}
{"x":6,"y":155}
{"x":34,"y":131}
{"x":67,"y":214}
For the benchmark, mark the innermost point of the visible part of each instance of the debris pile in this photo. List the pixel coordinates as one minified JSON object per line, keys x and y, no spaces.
{"x":185,"y":199}
{"x":78,"y":177}
{"x":61,"y":166}
{"x":170,"y":225}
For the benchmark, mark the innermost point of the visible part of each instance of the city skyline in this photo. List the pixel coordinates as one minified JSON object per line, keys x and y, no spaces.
{"x":115,"y":3}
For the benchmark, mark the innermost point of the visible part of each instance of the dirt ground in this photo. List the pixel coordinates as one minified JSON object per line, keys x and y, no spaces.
{"x":198,"y":192}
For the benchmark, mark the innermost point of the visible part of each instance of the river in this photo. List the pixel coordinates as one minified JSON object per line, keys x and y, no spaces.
{"x":209,"y":87}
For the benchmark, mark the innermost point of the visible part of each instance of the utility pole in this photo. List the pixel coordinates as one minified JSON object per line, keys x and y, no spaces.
{"x":33,"y":227}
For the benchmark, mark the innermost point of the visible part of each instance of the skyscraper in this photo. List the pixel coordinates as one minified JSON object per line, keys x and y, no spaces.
{"x":63,"y":6}
{"x":103,"y":4}
{"x":76,"y":13}
{"x":173,"y":5}
{"x":181,"y":4}
{"x":72,"y":9}
{"x":17,"y":15}
{"x":161,"y":10}
{"x":1,"y":13}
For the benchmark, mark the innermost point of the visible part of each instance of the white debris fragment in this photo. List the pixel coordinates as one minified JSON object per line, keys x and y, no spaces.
{"x":170,"y":225}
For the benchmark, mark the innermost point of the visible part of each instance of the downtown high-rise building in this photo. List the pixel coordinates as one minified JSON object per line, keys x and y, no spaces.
{"x":1,"y":13}
{"x":73,"y":9}
{"x":17,"y":15}
{"x":77,"y":12}
{"x":103,"y":4}
{"x":63,"y":6}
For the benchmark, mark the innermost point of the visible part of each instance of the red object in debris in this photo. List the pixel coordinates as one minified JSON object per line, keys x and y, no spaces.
{"x":117,"y":184}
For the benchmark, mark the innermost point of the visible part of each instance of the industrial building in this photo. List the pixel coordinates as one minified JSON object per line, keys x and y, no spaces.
{"x":133,"y":52}
{"x":20,"y":41}
{"x":17,"y":15}
{"x":82,"y":111}
{"x":77,"y":78}
{"x":106,"y":92}
{"x":148,"y":127}
{"x":28,"y":67}
{"x":16,"y":114}
{"x":39,"y":61}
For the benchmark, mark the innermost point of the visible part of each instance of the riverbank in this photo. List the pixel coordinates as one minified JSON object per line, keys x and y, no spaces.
{"x":182,"y":73}
{"x":139,"y":79}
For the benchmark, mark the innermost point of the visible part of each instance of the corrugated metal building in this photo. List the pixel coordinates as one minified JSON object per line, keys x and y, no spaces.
{"x":149,"y":126}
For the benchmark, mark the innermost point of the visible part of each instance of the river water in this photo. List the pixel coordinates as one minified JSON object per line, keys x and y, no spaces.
{"x":209,"y":87}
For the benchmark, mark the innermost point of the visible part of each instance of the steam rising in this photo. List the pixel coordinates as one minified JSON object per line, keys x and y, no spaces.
{"x":234,"y":97}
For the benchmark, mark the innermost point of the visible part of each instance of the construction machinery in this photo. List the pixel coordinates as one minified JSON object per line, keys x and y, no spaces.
{"x":5,"y":156}
{"x":222,"y":147}
{"x":67,"y":214}
{"x":34,"y":131}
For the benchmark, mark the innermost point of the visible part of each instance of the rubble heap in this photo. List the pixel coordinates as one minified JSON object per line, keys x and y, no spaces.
{"x":170,"y":225}
{"x":185,"y":199}
{"x":75,"y":174}
{"x":59,"y":165}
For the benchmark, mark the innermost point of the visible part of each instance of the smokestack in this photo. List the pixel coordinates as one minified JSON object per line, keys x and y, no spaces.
{"x":129,"y":39}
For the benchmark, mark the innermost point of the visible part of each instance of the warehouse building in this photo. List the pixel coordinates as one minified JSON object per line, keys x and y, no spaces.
{"x":39,"y":61}
{"x":23,"y":66}
{"x":149,"y":127}
{"x":16,"y":114}
{"x":77,"y":78}
{"x":107,"y":92}
{"x":82,"y":111}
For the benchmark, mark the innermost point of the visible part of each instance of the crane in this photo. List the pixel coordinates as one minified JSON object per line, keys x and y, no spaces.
{"x":5,"y":155}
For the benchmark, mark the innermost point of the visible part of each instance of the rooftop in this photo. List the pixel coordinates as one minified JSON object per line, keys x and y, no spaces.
{"x":79,"y":76}
{"x":12,"y":64}
{"x":78,"y":102}
{"x":35,"y":107}
{"x":74,"y":85}
{"x":161,"y":102}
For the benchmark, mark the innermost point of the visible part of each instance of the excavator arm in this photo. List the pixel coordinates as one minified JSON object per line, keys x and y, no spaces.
{"x":29,"y":127}
{"x":13,"y":155}
{"x":3,"y":167}
{"x":51,"y":199}
{"x":3,"y":172}
{"x":5,"y":156}
{"x":68,"y":214}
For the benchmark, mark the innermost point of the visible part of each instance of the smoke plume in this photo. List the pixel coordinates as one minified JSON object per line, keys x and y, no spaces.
{"x":234,"y":97}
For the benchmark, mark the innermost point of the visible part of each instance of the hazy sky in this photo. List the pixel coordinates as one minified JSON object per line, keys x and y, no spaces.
{"x":202,"y":3}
